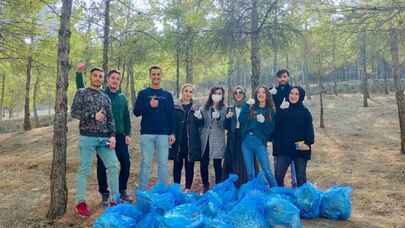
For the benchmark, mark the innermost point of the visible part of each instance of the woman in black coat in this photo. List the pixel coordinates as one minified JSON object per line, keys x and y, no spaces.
{"x":234,"y":162}
{"x":187,"y":147}
{"x":295,"y":135}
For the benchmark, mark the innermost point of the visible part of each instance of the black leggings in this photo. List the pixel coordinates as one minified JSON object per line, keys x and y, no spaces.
{"x":283,"y":162}
{"x":178,"y":167}
{"x":205,"y":160}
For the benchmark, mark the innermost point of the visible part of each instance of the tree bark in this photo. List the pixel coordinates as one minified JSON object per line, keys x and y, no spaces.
{"x":177,"y":70}
{"x":254,"y":49}
{"x":58,"y":188}
{"x":363,"y":67}
{"x":385,"y":73}
{"x":3,"y":89}
{"x":399,"y":92}
{"x":34,"y":102}
{"x":132,"y":83}
{"x":106,"y":41}
{"x":27,"y":114}
{"x":189,"y":56}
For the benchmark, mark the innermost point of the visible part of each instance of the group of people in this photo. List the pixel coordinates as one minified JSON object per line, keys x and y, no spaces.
{"x":233,"y":137}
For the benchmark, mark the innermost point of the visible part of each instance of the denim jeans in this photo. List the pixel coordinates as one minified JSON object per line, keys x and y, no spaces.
{"x":121,"y":150}
{"x":89,"y":146}
{"x":251,"y":146}
{"x":151,"y":144}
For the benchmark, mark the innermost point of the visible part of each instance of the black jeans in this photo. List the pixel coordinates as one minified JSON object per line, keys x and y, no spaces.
{"x":204,"y":163}
{"x":283,"y":162}
{"x":178,"y":167}
{"x":121,"y":150}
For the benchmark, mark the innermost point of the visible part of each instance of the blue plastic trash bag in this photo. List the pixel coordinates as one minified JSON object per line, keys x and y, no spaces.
{"x":185,"y":215}
{"x":191,"y":197}
{"x":152,"y":220}
{"x":249,"y":212}
{"x":308,"y":200}
{"x":218,"y":222}
{"x":128,"y":210}
{"x":178,"y":194}
{"x":159,"y":188}
{"x":144,"y":201}
{"x":147,"y":202}
{"x":210,"y":203}
{"x":281,"y":213}
{"x":114,"y":220}
{"x":336,"y":203}
{"x":227,"y":190}
{"x":285,"y":193}
{"x":259,"y":183}
{"x":163,"y":202}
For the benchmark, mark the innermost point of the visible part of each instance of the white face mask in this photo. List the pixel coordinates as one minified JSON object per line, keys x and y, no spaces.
{"x":216,"y":98}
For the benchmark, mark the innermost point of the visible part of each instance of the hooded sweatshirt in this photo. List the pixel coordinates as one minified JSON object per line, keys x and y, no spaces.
{"x":294,"y":124}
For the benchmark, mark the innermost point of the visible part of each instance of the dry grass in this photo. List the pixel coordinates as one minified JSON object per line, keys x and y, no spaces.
{"x":359,"y":147}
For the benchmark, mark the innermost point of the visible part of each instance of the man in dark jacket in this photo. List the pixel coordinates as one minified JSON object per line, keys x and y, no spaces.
{"x":122,"y":122}
{"x":280,"y":98}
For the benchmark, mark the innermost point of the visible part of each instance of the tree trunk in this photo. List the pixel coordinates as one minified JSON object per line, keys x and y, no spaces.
{"x":128,"y":80}
{"x":274,"y":40}
{"x":385,"y":73}
{"x":3,"y":89}
{"x":363,"y":67}
{"x":132,"y":83}
{"x":231,"y":66}
{"x":58,"y":188}
{"x":177,"y":70}
{"x":189,"y":57}
{"x":334,"y":65}
{"x":106,"y":41}
{"x":399,"y":92}
{"x":27,"y":114}
{"x":34,"y":102}
{"x":254,"y":50}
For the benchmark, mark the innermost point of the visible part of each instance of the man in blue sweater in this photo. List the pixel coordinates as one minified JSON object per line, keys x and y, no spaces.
{"x":155,"y":106}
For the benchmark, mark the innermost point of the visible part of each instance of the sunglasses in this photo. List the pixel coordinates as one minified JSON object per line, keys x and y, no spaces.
{"x":239,"y":92}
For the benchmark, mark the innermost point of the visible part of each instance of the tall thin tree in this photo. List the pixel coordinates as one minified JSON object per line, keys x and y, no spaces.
{"x":58,"y":188}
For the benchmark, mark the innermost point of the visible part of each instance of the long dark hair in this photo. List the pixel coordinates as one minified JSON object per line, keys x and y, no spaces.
{"x":269,"y":103}
{"x":210,"y":102}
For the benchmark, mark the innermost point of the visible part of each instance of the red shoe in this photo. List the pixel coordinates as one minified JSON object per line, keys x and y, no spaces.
{"x":125,"y":197}
{"x":82,"y":210}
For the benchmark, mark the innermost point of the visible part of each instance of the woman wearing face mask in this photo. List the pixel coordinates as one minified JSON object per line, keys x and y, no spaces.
{"x":295,"y":135}
{"x":233,"y":162}
{"x":187,"y":147}
{"x":257,"y":124}
{"x":211,"y":120}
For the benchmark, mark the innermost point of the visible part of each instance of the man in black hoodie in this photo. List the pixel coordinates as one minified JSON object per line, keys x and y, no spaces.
{"x":280,"y":97}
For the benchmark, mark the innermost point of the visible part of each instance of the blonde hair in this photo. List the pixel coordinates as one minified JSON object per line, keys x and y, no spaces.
{"x":183,"y":87}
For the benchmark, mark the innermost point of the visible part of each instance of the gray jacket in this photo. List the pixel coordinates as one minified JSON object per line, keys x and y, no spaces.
{"x":213,"y":131}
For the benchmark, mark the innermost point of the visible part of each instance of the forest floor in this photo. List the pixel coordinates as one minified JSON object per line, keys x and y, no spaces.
{"x":359,"y":147}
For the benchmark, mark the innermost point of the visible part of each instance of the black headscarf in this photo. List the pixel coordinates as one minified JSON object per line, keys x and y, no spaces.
{"x":301,"y":99}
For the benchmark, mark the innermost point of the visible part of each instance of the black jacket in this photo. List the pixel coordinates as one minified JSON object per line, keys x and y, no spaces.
{"x":292,"y":125}
{"x":192,"y":135}
{"x":282,"y":92}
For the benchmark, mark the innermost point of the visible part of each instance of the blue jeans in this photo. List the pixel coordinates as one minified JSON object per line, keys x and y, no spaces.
{"x":251,"y":146}
{"x":150,"y":144}
{"x":89,"y":146}
{"x":121,"y":150}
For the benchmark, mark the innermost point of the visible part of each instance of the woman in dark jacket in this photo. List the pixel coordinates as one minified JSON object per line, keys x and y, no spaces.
{"x":295,"y":135}
{"x":233,"y":162}
{"x":187,"y":147}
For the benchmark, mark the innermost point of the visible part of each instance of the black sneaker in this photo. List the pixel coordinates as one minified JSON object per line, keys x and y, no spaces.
{"x":105,"y":200}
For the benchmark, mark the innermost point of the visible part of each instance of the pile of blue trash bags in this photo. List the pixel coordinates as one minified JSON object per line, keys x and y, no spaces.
{"x":254,"y":204}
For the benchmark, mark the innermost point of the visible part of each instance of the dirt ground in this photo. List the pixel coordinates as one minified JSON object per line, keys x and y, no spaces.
{"x":359,"y":147}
